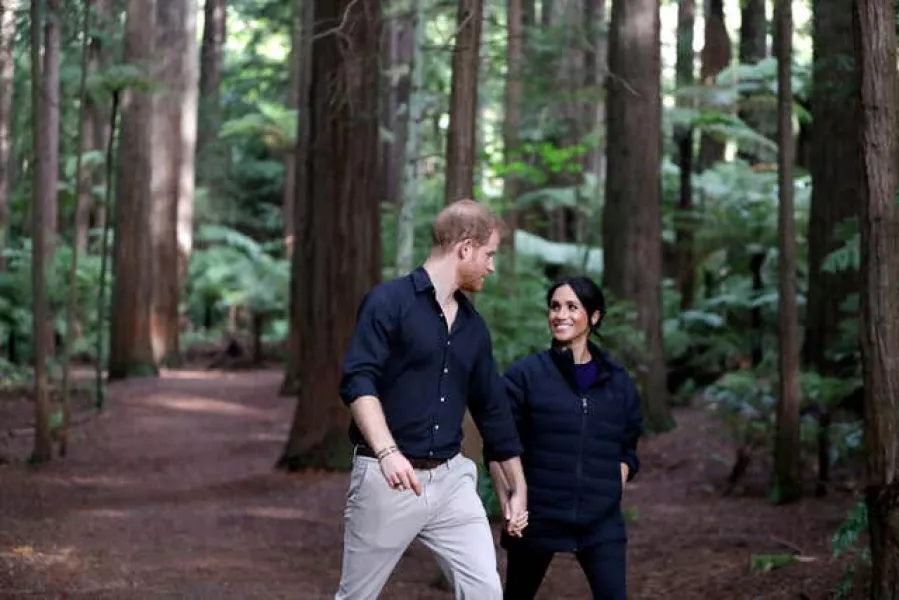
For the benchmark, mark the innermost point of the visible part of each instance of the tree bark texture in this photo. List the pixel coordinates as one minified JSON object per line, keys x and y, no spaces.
{"x":461,"y":146}
{"x":290,"y":385}
{"x":787,"y":485}
{"x":44,"y":186}
{"x":876,"y":55}
{"x":344,"y":184}
{"x":400,"y":44}
{"x":173,"y":145}
{"x":7,"y":71}
{"x":295,"y":64}
{"x":408,"y":200}
{"x":512,"y":123}
{"x":753,"y":31}
{"x":209,"y":157}
{"x":632,"y":218}
{"x":50,"y":106}
{"x":130,"y":346}
{"x":98,"y":107}
{"x":683,"y":139}
{"x":716,"y":55}
{"x":835,"y":170}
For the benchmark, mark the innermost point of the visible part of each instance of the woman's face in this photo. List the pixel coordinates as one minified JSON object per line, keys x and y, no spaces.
{"x":568,"y":321}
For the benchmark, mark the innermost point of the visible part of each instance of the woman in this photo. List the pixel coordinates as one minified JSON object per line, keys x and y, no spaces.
{"x":579,"y":418}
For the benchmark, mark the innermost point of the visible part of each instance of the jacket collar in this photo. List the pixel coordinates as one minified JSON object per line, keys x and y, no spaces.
{"x":563,"y":358}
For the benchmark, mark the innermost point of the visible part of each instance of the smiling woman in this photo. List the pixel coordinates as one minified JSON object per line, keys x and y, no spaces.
{"x":579,"y":419}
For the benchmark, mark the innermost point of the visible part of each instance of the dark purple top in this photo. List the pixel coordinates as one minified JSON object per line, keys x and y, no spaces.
{"x":585,"y":375}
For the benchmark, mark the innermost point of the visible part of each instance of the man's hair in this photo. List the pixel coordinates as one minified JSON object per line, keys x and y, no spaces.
{"x":462,"y":220}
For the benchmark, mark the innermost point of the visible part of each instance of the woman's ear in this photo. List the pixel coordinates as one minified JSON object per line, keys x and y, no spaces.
{"x":594,"y":319}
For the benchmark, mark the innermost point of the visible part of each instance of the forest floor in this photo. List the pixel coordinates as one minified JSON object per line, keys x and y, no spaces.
{"x":170,"y":493}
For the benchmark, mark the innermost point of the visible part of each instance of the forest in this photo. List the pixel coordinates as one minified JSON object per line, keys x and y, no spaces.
{"x":196,"y":195}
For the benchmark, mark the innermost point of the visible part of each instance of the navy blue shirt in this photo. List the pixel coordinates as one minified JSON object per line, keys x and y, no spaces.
{"x":424,"y":375}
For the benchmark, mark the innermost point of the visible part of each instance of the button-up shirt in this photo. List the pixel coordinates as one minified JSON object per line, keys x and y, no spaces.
{"x":425,"y":374}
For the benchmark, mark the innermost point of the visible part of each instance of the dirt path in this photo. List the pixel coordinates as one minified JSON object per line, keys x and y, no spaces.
{"x":171,"y":494}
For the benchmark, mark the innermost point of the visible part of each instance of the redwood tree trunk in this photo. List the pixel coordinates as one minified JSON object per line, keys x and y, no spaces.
{"x":209,"y":158}
{"x":683,"y":139}
{"x":835,"y":170}
{"x":461,"y":145}
{"x":715,"y":57}
{"x":875,"y":53}
{"x":632,"y":218}
{"x":98,"y":109}
{"x":295,"y":64}
{"x":174,"y":133}
{"x":7,"y":71}
{"x":787,"y":484}
{"x":344,"y":185}
{"x":44,"y":186}
{"x":130,"y":347}
{"x":511,"y":124}
{"x":290,"y":385}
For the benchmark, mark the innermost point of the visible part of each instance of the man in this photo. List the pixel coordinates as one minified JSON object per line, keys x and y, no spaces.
{"x":420,"y":354}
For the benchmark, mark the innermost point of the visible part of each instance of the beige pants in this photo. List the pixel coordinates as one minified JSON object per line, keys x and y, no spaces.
{"x":448,"y":518}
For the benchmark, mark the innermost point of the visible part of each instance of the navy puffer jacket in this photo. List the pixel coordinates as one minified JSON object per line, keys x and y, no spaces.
{"x":574,"y":444}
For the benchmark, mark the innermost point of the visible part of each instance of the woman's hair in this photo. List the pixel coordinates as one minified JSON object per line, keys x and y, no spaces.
{"x":587,"y":292}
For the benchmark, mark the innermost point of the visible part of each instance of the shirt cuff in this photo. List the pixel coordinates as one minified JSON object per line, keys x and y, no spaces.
{"x":633,"y":465}
{"x":357,"y":388}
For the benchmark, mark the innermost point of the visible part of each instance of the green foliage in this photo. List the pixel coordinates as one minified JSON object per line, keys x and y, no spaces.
{"x":274,"y":124}
{"x":845,"y":542}
{"x":231,"y":270}
{"x":768,"y":562}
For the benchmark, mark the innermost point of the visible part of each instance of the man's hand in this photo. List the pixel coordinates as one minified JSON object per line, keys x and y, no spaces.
{"x":625,"y":471}
{"x":399,"y":474}
{"x":516,"y":512}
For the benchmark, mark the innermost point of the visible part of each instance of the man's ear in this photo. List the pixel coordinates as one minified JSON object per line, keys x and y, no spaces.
{"x":464,"y":249}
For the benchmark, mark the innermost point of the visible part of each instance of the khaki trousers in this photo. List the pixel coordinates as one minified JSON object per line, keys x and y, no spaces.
{"x":448,"y":518}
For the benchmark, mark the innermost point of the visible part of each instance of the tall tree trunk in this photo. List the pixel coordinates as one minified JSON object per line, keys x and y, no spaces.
{"x":753,"y":31}
{"x":7,"y":71}
{"x":787,"y":484}
{"x":44,"y":184}
{"x":80,"y":182}
{"x":50,"y":107}
{"x":400,"y":45}
{"x":875,"y":50}
{"x":511,"y":125}
{"x":209,"y":159}
{"x":754,"y":108}
{"x":173,"y":141}
{"x":290,"y":385}
{"x":130,"y":346}
{"x":295,"y":64}
{"x":98,"y":106}
{"x":343,"y":184}
{"x":632,"y":218}
{"x":835,"y":171}
{"x":596,"y":67}
{"x":716,"y":55}
{"x":683,"y":139}
{"x":408,"y":199}
{"x":462,"y":144}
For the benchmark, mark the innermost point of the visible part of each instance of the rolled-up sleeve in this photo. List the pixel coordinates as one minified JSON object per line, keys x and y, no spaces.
{"x":633,"y":431}
{"x":368,"y":349}
{"x":490,"y":408}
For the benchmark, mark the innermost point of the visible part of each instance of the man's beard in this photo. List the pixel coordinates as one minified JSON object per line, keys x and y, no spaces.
{"x":469,"y":281}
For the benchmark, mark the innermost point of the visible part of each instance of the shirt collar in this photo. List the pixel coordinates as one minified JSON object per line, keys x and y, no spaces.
{"x":421,"y":282}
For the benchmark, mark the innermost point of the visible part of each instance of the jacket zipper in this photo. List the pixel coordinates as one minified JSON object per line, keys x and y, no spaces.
{"x":580,"y":456}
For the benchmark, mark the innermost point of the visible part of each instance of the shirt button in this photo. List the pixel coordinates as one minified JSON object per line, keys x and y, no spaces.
{"x":436,"y":427}
{"x":431,"y":453}
{"x":447,"y":342}
{"x":445,"y":370}
{"x":443,"y":399}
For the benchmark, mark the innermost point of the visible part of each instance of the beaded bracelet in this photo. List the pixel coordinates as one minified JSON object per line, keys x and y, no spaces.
{"x":386,"y":452}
